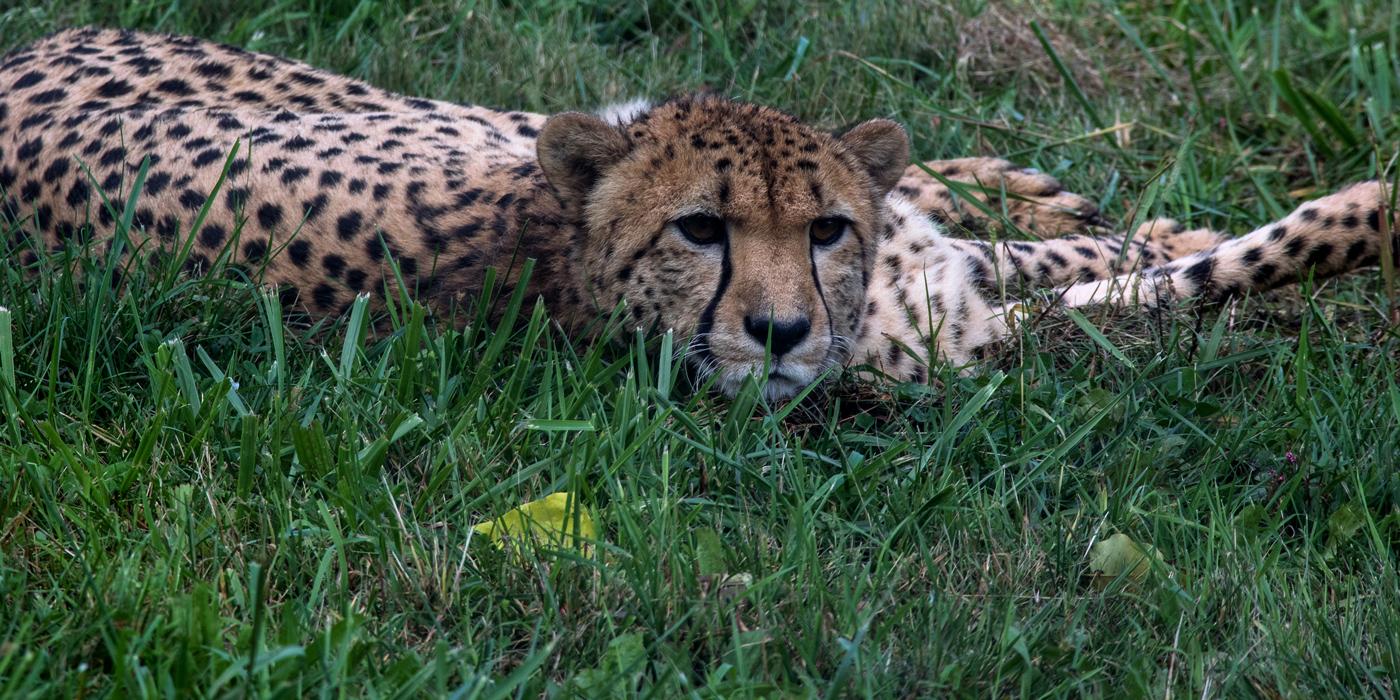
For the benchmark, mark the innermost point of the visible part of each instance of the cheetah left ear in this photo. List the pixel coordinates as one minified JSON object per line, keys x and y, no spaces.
{"x":574,"y":149}
{"x":882,"y":147}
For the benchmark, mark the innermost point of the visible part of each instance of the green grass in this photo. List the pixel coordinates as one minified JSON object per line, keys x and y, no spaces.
{"x":198,"y":499}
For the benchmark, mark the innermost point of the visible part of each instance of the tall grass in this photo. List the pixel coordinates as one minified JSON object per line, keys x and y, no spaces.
{"x":197,"y":498}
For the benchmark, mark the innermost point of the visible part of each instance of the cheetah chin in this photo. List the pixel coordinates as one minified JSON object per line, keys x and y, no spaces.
{"x":779,"y":382}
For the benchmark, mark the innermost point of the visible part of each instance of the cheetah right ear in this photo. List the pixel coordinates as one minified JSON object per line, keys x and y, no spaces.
{"x":882,"y":146}
{"x":574,"y":149}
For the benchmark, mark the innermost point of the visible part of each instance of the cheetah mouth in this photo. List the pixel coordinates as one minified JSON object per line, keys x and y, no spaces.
{"x":779,"y":386}
{"x":779,"y":380}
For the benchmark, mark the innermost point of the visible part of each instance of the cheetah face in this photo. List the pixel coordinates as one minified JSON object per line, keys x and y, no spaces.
{"x":734,"y":225}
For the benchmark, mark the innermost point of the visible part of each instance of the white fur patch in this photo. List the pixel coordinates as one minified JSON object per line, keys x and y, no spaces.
{"x":622,"y":113}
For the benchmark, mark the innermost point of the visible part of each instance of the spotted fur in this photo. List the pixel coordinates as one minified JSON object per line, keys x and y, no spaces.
{"x":775,"y":248}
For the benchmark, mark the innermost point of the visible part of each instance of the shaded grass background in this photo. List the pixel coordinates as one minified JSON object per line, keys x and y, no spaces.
{"x":195,"y":500}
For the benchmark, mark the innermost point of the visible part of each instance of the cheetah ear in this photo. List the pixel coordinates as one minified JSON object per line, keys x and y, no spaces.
{"x":882,"y":147}
{"x":574,"y":149}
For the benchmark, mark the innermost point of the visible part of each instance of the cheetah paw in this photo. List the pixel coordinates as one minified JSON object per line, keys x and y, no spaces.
{"x":1031,"y":200}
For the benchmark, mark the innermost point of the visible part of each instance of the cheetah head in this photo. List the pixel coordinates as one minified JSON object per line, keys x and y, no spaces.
{"x":734,"y":225}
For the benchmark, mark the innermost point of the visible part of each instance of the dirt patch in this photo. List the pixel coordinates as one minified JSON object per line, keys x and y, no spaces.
{"x":997,"y":48}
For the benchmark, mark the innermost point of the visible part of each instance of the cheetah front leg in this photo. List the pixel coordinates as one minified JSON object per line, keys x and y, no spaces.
{"x":1330,"y":236}
{"x":1032,"y":200}
{"x":935,"y":298}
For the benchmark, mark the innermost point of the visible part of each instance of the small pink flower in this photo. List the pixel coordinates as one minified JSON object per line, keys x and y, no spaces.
{"x":1290,"y":457}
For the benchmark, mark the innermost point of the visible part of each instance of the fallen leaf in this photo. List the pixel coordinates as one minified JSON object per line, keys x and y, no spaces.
{"x":709,"y":551}
{"x":556,"y":521}
{"x":1118,"y":555}
{"x":1342,"y":525}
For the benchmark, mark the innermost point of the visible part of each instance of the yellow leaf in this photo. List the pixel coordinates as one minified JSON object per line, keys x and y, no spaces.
{"x":549,"y":522}
{"x":1119,"y":555}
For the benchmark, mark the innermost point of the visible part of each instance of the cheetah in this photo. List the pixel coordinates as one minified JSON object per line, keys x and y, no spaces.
{"x":779,"y":251}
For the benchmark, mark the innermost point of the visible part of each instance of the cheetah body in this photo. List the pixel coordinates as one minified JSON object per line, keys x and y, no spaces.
{"x":778,"y":249}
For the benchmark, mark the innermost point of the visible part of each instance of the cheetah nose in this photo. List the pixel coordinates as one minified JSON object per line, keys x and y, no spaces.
{"x":785,"y":334}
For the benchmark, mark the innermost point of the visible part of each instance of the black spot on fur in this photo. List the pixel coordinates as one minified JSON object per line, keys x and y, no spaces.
{"x":157,"y":182}
{"x":213,"y":70}
{"x":191,"y":199}
{"x":293,"y":175}
{"x":29,"y":79}
{"x":314,"y":207}
{"x":237,"y":199}
{"x":48,"y":97}
{"x":29,"y":150}
{"x":269,"y":215}
{"x":1200,"y":273}
{"x":374,"y":248}
{"x":333,"y":265}
{"x":1319,"y":254}
{"x":31,"y":121}
{"x":197,"y":264}
{"x":116,"y":87}
{"x":1356,"y":251}
{"x":79,"y":193}
{"x":307,"y":79}
{"x":288,"y":296}
{"x":175,"y":86}
{"x":207,"y":157}
{"x":56,"y":170}
{"x":355,"y":279}
{"x":112,"y":156}
{"x":212,"y":236}
{"x":111,"y":183}
{"x":255,"y":251}
{"x":228,"y":122}
{"x":348,"y":225}
{"x":324,"y":296}
{"x":300,"y":252}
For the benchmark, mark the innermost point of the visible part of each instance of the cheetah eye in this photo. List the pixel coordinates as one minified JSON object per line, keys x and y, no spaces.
{"x":828,"y":230}
{"x":702,"y":229}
